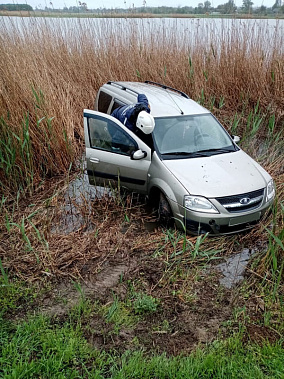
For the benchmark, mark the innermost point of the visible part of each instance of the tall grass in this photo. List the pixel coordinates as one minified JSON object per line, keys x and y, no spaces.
{"x":51,"y":70}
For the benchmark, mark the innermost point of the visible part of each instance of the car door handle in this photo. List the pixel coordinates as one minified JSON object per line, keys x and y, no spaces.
{"x":94,"y":160}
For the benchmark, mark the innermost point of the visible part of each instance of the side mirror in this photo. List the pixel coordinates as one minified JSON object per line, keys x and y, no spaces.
{"x":138,"y":154}
{"x":236,"y":139}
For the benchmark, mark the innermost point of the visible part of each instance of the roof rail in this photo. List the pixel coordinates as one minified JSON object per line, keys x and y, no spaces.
{"x":124,"y":88}
{"x":167,"y":87}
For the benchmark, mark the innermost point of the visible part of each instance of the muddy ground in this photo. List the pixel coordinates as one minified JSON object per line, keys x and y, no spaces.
{"x":103,"y":250}
{"x":201,"y":312}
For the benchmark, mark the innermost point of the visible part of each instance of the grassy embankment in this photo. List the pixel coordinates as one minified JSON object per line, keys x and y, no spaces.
{"x":164,"y":295}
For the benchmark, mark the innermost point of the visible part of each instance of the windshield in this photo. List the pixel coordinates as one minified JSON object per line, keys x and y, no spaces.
{"x":195,"y":135}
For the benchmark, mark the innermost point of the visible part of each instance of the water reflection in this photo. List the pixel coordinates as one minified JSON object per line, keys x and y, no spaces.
{"x":234,"y":267}
{"x":78,"y":197}
{"x":177,"y":32}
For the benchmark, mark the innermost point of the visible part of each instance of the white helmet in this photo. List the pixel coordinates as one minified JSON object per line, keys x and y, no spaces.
{"x":145,"y":122}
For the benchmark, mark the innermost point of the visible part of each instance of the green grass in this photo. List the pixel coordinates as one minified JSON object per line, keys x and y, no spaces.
{"x":13,"y":294}
{"x":40,"y":348}
{"x":222,"y":360}
{"x":128,"y":312}
{"x":37,"y":348}
{"x":143,"y":303}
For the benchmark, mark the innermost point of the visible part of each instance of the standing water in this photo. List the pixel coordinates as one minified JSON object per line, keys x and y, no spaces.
{"x":233,"y":269}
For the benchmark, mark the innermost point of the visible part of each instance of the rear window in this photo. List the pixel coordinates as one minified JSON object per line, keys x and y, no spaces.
{"x":116,"y":104}
{"x":104,"y":101}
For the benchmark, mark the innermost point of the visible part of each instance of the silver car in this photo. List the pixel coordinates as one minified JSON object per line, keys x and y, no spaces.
{"x":190,"y":167}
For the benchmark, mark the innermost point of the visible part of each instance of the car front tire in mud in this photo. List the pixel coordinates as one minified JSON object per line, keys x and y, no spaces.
{"x":165,"y":216}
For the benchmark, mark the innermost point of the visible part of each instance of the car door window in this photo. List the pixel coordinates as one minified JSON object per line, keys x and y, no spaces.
{"x":116,"y":104}
{"x":107,"y":135}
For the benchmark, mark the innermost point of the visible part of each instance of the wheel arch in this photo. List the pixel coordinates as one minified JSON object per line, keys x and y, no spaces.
{"x":162,"y":187}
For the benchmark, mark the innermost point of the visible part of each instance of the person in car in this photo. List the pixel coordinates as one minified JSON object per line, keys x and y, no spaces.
{"x":136,"y":116}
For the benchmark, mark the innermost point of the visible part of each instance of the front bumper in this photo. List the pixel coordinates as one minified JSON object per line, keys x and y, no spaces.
{"x":224,"y":224}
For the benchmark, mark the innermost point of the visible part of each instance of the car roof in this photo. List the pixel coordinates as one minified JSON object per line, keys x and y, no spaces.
{"x":163,"y":101}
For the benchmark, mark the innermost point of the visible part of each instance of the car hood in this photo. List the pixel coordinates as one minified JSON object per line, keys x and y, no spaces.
{"x":219,"y":175}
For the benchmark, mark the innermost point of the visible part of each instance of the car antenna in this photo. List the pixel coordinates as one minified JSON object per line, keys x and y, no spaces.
{"x":181,"y":111}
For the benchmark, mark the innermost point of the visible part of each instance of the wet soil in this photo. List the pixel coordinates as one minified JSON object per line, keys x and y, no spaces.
{"x":177,"y":326}
{"x":100,"y":249}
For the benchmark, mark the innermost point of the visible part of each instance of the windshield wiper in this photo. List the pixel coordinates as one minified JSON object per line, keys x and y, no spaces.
{"x":186,"y":153}
{"x":223,"y":150}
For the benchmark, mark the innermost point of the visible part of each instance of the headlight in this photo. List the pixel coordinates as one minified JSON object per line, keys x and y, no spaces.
{"x":199,"y":204}
{"x":270,"y":191}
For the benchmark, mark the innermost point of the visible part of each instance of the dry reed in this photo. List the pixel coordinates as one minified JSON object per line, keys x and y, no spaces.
{"x":52,"y":68}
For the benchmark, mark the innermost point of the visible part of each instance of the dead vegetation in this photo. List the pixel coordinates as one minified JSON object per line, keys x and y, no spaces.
{"x":52,"y":68}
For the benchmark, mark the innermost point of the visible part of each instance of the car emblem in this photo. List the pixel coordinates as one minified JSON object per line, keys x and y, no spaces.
{"x":245,"y":200}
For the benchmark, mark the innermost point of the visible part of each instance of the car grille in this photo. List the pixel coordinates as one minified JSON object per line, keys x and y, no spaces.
{"x":241,"y":203}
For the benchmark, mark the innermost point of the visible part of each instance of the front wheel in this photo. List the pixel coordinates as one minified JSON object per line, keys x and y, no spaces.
{"x":165,"y":215}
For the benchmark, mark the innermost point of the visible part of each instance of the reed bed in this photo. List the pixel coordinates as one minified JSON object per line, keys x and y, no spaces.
{"x":52,"y":68}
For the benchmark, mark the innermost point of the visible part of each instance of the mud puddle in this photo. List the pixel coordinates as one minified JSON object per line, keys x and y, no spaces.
{"x":76,"y":210}
{"x":234,"y":267}
{"x":78,"y":196}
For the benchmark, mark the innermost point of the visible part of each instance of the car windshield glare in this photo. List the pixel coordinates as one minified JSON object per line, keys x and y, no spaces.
{"x":191,"y":134}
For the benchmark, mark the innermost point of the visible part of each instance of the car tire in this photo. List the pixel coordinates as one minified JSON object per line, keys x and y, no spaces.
{"x":165,"y":215}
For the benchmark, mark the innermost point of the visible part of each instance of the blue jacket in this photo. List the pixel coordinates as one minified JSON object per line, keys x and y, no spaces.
{"x":127,"y":114}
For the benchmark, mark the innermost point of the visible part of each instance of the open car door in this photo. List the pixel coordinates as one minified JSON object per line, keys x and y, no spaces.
{"x":114,"y":153}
